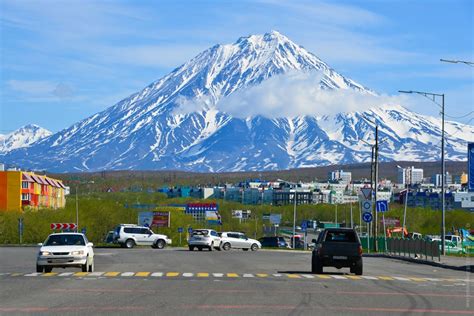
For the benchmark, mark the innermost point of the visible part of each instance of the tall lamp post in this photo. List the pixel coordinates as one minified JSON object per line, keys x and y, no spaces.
{"x":432,"y":97}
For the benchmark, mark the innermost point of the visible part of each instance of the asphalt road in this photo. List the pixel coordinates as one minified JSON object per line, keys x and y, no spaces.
{"x":179,"y":282}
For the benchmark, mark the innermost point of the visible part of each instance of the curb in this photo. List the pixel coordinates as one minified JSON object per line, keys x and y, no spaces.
{"x":467,"y":268}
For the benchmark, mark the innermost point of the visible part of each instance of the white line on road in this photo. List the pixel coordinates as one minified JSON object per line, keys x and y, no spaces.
{"x":248,"y":275}
{"x":157,"y":274}
{"x":277,"y":275}
{"x":401,"y":279}
{"x":65,"y":274}
{"x":128,"y":274}
{"x":369,"y":277}
{"x":33,"y":274}
{"x":95,"y":274}
{"x":308,"y":276}
{"x":218,"y":275}
{"x":188,"y":275}
{"x":340,"y":277}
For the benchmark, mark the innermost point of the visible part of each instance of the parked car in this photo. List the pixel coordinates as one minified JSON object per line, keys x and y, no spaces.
{"x":204,"y":238}
{"x":337,"y":247}
{"x":109,"y":238}
{"x":274,"y":242}
{"x":129,"y":236}
{"x":453,"y":238}
{"x":414,"y":235}
{"x":65,"y":250}
{"x":238,"y":240}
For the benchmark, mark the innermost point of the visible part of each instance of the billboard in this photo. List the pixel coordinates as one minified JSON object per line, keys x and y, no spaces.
{"x":154,"y":219}
{"x":470,"y":167}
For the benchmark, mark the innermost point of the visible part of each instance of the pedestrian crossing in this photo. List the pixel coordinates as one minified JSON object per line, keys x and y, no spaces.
{"x":230,"y":275}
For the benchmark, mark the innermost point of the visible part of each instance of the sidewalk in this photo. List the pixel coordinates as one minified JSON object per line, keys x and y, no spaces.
{"x":447,"y":262}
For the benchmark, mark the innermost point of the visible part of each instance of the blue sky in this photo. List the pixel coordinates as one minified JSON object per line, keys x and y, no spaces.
{"x":62,"y":61}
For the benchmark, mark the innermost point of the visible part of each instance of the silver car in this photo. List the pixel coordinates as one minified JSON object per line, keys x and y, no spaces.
{"x":238,"y":240}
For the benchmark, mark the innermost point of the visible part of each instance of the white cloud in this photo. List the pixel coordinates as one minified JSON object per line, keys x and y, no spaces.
{"x":290,"y":95}
{"x":32,"y":87}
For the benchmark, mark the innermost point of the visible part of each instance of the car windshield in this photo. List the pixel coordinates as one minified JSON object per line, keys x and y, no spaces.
{"x":65,"y":240}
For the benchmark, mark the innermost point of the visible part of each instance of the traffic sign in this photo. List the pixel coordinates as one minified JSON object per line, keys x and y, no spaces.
{"x":180,"y":229}
{"x":367,"y":206}
{"x":366,"y":193}
{"x":367,"y":217}
{"x":84,"y":230}
{"x":304,"y":226}
{"x":190,"y":230}
{"x":63,"y":226}
{"x":382,"y":206}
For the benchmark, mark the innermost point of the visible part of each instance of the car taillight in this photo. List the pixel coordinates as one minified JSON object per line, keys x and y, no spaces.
{"x":360,"y":250}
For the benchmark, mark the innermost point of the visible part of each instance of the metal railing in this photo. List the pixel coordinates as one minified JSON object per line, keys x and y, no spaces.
{"x":414,"y":248}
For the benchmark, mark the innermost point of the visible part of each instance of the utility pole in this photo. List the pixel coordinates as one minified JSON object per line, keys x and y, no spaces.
{"x":443,"y":180}
{"x":77,"y":212}
{"x":294,"y":220}
{"x":376,"y":176}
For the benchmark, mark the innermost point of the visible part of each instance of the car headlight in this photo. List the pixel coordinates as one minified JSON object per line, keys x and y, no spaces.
{"x":77,"y":253}
{"x":45,"y":253}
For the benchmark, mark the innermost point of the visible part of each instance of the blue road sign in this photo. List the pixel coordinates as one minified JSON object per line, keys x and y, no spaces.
{"x":180,"y":229}
{"x":367,"y":217}
{"x":304,"y":226}
{"x":84,"y":230}
{"x":190,"y":230}
{"x":382,"y":206}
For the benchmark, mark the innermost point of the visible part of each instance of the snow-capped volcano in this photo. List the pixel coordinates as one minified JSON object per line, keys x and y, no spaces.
{"x":156,"y":128}
{"x":22,"y":137}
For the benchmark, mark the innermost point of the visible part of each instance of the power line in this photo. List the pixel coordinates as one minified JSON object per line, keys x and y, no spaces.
{"x":460,"y":117}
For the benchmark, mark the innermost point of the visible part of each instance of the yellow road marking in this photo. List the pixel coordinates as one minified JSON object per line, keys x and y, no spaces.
{"x":111,"y":274}
{"x":142,"y":274}
{"x":353,"y":277}
{"x":202,"y":275}
{"x":16,"y":274}
{"x":386,"y":278}
{"x":294,"y":276}
{"x":322,"y":276}
{"x":232,"y":275}
{"x":81,"y":273}
{"x":262,"y":275}
{"x":49,"y":274}
{"x":418,"y":279}
{"x":172,"y":274}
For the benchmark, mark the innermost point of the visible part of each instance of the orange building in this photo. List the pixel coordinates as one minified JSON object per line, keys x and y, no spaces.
{"x":20,"y":190}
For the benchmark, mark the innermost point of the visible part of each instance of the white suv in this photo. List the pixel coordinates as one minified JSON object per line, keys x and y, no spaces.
{"x":238,"y":240}
{"x":129,"y":235}
{"x":204,"y":238}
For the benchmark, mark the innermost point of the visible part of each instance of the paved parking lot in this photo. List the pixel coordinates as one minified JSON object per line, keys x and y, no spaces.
{"x":176,"y":281}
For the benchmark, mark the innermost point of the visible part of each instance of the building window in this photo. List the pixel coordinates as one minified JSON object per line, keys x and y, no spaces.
{"x":25,"y":196}
{"x":25,"y":185}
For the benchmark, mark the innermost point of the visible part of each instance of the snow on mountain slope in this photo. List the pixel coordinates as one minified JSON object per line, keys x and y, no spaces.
{"x":174,"y":123}
{"x":22,"y":137}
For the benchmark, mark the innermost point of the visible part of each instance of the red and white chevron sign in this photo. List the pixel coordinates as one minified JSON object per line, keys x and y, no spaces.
{"x":63,"y":226}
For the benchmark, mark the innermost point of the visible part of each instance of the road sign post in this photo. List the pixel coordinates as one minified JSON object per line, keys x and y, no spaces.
{"x":20,"y":229}
{"x":180,"y":231}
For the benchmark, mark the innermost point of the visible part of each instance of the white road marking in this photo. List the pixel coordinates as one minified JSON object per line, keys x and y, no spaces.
{"x":369,"y":277}
{"x":401,"y":279}
{"x":218,"y":275}
{"x":33,"y":274}
{"x":66,"y":274}
{"x":188,"y":275}
{"x":277,"y":275}
{"x":248,"y":275}
{"x":433,"y":279}
{"x":128,"y":274}
{"x":96,"y":273}
{"x":340,"y":277}
{"x":157,"y":274}
{"x":308,"y":276}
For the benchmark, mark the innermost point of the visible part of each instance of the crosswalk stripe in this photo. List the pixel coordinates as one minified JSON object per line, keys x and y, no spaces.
{"x":385,"y":278}
{"x":157,"y":274}
{"x":262,"y":275}
{"x":81,"y":273}
{"x":17,"y":274}
{"x":111,"y":274}
{"x":172,"y":274}
{"x":308,"y":276}
{"x":64,"y":274}
{"x":277,"y":275}
{"x":96,"y":273}
{"x":188,"y":275}
{"x":322,"y":276}
{"x":142,"y":274}
{"x":127,"y":274}
{"x":418,"y":279}
{"x":401,"y":279}
{"x":203,"y":275}
{"x":248,"y":275}
{"x":293,"y":276}
{"x":50,"y":274}
{"x":33,"y":274}
{"x":369,"y":277}
{"x":232,"y":275}
{"x":353,"y":277}
{"x":218,"y":275}
{"x":339,"y":277}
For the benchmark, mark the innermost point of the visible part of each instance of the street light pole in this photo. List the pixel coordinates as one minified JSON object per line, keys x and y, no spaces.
{"x":294,"y":219}
{"x":77,"y":212}
{"x":432,"y":98}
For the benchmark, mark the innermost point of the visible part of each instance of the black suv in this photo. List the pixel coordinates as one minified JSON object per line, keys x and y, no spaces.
{"x":273,"y":242}
{"x":337,"y":247}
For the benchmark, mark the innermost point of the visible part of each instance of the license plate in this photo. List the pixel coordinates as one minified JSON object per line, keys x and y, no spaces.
{"x":339,"y":257}
{"x":59,"y":260}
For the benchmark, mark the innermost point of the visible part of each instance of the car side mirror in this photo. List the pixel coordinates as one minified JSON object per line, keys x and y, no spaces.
{"x":40,"y":244}
{"x":90,"y":244}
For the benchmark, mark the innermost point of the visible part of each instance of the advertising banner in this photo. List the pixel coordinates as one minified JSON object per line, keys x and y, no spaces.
{"x":275,"y":219}
{"x":154,"y":219}
{"x":213,"y":218}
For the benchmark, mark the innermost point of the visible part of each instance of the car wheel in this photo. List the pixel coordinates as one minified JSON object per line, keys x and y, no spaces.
{"x":254,"y":247}
{"x":39,"y":269}
{"x":129,"y":243}
{"x":226,"y":246}
{"x":200,"y":248}
{"x":211,"y":246}
{"x":191,"y":248}
{"x":316,"y":266}
{"x":358,"y":267}
{"x":160,"y":244}
{"x":48,"y":269}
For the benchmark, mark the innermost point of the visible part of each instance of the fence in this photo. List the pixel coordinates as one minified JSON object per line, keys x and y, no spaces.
{"x":412,"y":248}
